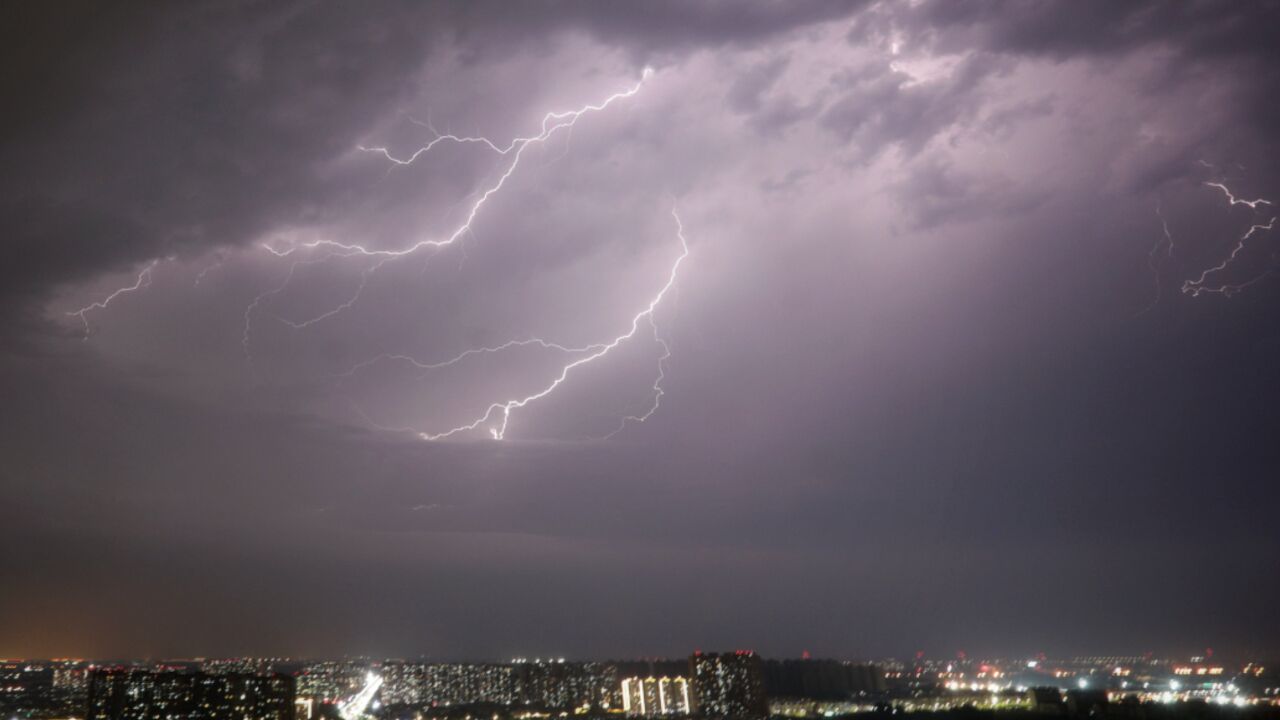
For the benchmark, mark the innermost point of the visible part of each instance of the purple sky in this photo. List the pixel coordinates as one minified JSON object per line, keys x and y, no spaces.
{"x":935,"y":379}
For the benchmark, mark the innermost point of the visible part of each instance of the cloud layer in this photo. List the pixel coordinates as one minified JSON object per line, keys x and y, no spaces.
{"x":929,"y":355}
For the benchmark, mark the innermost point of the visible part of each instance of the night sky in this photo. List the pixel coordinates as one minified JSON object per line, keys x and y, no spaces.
{"x":938,"y":378}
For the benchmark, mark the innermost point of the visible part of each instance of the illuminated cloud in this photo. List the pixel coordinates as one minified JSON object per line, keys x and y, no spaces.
{"x":921,"y":341}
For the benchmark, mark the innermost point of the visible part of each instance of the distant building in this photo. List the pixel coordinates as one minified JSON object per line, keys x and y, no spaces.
{"x":468,"y":683}
{"x":71,"y":675}
{"x":656,"y":697}
{"x":728,"y":686}
{"x":1081,"y":703}
{"x":332,"y":680}
{"x":1198,"y":669}
{"x":236,"y":666}
{"x":146,"y":695}
{"x":821,"y":679}
{"x":24,"y":685}
{"x":1045,"y":699}
{"x":402,"y":683}
{"x":448,"y":684}
{"x":70,"y":688}
{"x":563,"y":685}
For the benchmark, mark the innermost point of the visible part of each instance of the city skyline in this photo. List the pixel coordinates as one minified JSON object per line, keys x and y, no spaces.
{"x":600,"y":330}
{"x":737,"y":685}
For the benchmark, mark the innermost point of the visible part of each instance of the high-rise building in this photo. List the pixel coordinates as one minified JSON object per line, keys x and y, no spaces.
{"x":647,"y":668}
{"x":446,"y":684}
{"x":70,"y":686}
{"x":468,"y":683}
{"x":147,"y":695}
{"x":332,"y":680}
{"x":24,"y":685}
{"x":237,"y":666}
{"x":560,"y":684}
{"x":728,"y":686}
{"x":402,"y":683}
{"x":656,"y":696}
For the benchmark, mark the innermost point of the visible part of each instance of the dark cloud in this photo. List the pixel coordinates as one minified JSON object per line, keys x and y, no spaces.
{"x":198,"y":126}
{"x":876,"y":111}
{"x":1232,"y":37}
{"x":1089,"y":28}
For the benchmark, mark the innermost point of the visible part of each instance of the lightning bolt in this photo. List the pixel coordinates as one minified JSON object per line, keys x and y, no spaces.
{"x":502,"y":410}
{"x":1233,"y":200}
{"x":551,"y":123}
{"x":143,"y":280}
{"x":538,"y":342}
{"x":1198,"y":286}
{"x":497,"y":416}
{"x":658,"y":392}
{"x":1168,"y":236}
{"x":355,"y":297}
{"x":206,"y":270}
{"x":252,"y":307}
{"x":1153,"y":259}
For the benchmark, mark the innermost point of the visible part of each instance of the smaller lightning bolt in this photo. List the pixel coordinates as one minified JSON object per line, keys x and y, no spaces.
{"x":504,"y":409}
{"x":1233,"y":200}
{"x":1168,"y":236}
{"x":143,"y":280}
{"x":1153,"y":260}
{"x":1230,"y":290}
{"x":437,"y":140}
{"x":1197,"y":286}
{"x":206,"y":270}
{"x":364,"y":281}
{"x":359,"y":411}
{"x":252,"y":307}
{"x":658,"y":392}
{"x":538,"y":342}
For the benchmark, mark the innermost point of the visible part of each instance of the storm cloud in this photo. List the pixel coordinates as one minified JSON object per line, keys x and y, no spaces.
{"x":933,"y":381}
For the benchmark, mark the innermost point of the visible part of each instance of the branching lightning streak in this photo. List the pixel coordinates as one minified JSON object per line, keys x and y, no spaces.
{"x":544,"y":344}
{"x":143,"y":279}
{"x":658,"y":392}
{"x":503,"y":409}
{"x":1168,"y":236}
{"x":253,"y":306}
{"x":438,"y":139}
{"x":579,"y":355}
{"x":1233,"y":200}
{"x":364,"y":280}
{"x":496,"y":417}
{"x":551,"y":122}
{"x":205,"y":271}
{"x":1153,"y":261}
{"x":1197,"y":286}
{"x":1200,"y":285}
